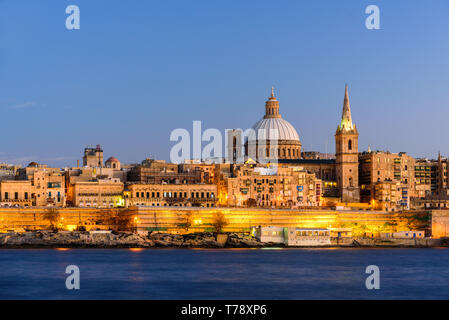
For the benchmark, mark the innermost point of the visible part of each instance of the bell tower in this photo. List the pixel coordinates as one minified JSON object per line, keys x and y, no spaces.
{"x":347,"y":155}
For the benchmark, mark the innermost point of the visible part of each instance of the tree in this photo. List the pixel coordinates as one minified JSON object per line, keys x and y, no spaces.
{"x":117,"y":220}
{"x":251,"y":203}
{"x":188,"y":221}
{"x":330,"y":203}
{"x":417,"y":221}
{"x":52,"y":216}
{"x":219,"y":222}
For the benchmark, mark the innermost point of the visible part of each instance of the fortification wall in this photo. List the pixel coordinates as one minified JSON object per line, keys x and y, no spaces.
{"x":440,"y":223}
{"x":202,"y":219}
{"x":241,"y":219}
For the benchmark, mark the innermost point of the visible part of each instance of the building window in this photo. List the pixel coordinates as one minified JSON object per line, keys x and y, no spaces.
{"x":6,"y":196}
{"x":350,"y":144}
{"x":16,"y":196}
{"x":26,"y":195}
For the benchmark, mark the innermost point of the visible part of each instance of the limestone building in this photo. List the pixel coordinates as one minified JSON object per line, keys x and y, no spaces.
{"x":206,"y":170}
{"x":47,"y":184}
{"x":270,"y":187}
{"x":378,"y":168}
{"x":15,"y":193}
{"x":93,"y":157}
{"x":98,"y":194}
{"x":171,"y":195}
{"x":426,"y":177}
{"x":158,"y":172}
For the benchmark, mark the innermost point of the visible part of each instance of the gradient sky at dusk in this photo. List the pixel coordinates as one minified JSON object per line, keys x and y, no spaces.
{"x":139,"y":69}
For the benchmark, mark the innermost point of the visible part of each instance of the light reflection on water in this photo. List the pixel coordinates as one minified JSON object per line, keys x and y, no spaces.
{"x":278,"y":273}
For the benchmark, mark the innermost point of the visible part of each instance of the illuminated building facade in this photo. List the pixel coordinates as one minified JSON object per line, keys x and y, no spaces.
{"x":269,"y":187}
{"x":15,"y":193}
{"x":389,"y":172}
{"x":98,"y":194}
{"x":171,"y":195}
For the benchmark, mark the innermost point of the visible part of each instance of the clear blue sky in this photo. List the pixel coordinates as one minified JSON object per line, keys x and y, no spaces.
{"x":136,"y":70}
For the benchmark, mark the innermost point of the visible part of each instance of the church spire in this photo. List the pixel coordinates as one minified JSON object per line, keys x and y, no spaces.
{"x":346,"y":119}
{"x":272,"y":92}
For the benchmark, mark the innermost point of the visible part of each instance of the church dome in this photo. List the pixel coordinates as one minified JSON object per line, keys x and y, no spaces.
{"x":262,"y":146}
{"x":273,"y":121}
{"x":285,"y":130}
{"x":112,"y":159}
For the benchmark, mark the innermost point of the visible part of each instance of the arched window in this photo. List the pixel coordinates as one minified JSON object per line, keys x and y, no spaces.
{"x":350,"y":179}
{"x":350,"y":144}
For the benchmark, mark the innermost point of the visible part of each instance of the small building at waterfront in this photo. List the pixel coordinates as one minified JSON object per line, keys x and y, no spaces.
{"x":308,"y":237}
{"x":269,"y":234}
{"x":293,"y":236}
{"x":403,"y":234}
